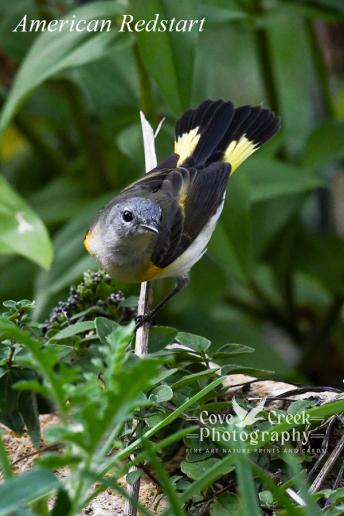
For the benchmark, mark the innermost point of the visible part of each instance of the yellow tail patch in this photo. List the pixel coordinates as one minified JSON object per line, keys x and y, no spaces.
{"x":185,"y":144}
{"x":238,"y":151}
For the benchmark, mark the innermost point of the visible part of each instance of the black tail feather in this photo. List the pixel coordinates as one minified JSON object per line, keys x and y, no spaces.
{"x":211,"y":132}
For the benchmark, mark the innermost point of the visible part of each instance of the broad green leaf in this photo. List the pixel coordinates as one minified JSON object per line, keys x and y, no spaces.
{"x":54,"y":52}
{"x":133,"y":476}
{"x":327,"y":9}
{"x":252,"y":371}
{"x":170,"y":62}
{"x":21,"y":231}
{"x":104,"y":327}
{"x":161,"y":393}
{"x":221,"y":249}
{"x":200,"y":344}
{"x":270,"y":179}
{"x":62,"y":503}
{"x":160,"y":337}
{"x":324,"y":145}
{"x":231,"y":242}
{"x":190,"y":378}
{"x":321,"y":257}
{"x":74,"y":329}
{"x":196,"y":469}
{"x":233,"y":350}
{"x":26,"y":488}
{"x":226,"y":503}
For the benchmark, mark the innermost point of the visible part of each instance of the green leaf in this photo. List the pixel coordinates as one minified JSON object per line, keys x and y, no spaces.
{"x":327,"y":9}
{"x":62,"y":504}
{"x":231,"y":242}
{"x":271,"y":178}
{"x":170,"y":418}
{"x":26,"y":488}
{"x":233,"y":350}
{"x":190,"y":378}
{"x":5,"y":464}
{"x":29,"y":412}
{"x":160,"y":337}
{"x":278,"y":491}
{"x":74,"y":329}
{"x":226,"y":503}
{"x":252,"y":371}
{"x":212,"y":473}
{"x":165,"y":482}
{"x":133,"y":476}
{"x":161,"y":393}
{"x":200,"y":344}
{"x":321,"y":257}
{"x":104,"y":327}
{"x":300,"y":481}
{"x":195,"y":470}
{"x":21,"y":231}
{"x":247,"y":488}
{"x":324,"y":145}
{"x":172,"y":62}
{"x":53,"y":52}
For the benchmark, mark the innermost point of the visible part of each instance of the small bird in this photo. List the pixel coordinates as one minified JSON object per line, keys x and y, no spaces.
{"x":160,"y":226}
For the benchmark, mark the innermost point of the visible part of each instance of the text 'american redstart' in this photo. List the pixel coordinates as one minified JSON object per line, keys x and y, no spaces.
{"x":160,"y":226}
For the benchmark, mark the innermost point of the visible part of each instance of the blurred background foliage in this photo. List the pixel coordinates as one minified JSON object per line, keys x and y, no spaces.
{"x":273,"y":277}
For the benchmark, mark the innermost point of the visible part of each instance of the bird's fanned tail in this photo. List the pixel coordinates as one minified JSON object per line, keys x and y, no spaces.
{"x":216,"y":131}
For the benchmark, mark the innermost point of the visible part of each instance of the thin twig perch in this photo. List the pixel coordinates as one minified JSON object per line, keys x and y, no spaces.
{"x":145,"y":301}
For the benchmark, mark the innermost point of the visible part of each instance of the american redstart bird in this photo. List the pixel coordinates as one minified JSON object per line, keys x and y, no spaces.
{"x":160,"y":226}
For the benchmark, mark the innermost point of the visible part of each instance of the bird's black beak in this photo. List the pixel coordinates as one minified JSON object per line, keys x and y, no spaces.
{"x":153,"y":227}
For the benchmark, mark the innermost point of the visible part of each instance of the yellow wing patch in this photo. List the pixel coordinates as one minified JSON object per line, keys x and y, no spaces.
{"x":150,"y":272}
{"x":238,"y":151}
{"x":185,"y":144}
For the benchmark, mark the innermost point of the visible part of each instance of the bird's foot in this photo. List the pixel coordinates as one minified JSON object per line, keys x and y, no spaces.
{"x":142,"y":319}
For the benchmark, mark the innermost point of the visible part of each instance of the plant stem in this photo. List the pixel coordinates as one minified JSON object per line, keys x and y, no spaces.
{"x":265,"y":62}
{"x":89,"y":138}
{"x":146,"y":94}
{"x":320,"y":69}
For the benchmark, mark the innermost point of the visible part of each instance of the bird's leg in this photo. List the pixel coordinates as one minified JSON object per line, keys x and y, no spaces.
{"x":181,"y":283}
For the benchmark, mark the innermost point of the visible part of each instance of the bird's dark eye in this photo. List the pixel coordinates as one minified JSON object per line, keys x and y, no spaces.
{"x":127,"y":216}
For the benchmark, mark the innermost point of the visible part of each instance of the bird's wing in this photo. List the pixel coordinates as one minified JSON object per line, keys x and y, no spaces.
{"x":188,"y":198}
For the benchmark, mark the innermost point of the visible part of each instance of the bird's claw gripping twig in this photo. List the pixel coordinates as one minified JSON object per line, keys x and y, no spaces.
{"x":142,"y":319}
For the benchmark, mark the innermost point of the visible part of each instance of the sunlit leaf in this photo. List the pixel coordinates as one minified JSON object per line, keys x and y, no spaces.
{"x":21,"y":231}
{"x":54,"y":52}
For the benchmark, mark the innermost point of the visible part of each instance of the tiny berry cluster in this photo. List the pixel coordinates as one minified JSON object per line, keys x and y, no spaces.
{"x":94,"y":292}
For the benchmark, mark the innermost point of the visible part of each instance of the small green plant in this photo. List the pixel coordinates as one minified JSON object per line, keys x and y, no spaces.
{"x":83,"y":365}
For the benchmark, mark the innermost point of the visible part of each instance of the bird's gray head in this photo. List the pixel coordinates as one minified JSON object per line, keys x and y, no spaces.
{"x":132,"y":217}
{"x":124,"y":226}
